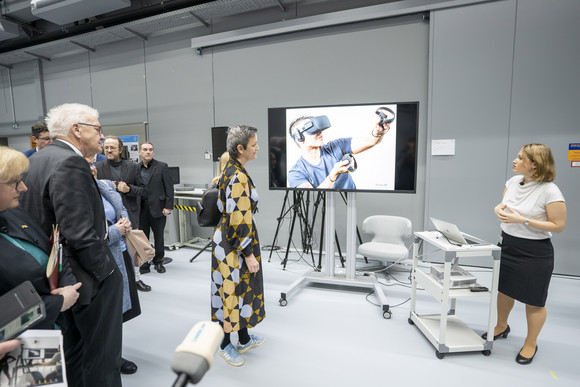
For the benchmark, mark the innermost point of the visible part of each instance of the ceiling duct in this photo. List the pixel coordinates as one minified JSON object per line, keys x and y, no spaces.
{"x":67,"y":11}
{"x":8,"y":30}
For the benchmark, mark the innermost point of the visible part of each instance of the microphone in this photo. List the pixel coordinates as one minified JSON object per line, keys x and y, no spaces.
{"x":194,"y":356}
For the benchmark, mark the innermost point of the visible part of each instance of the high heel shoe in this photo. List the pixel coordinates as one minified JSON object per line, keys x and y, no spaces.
{"x":504,"y":334}
{"x":525,"y":360}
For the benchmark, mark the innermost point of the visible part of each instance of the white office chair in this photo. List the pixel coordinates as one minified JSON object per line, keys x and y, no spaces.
{"x":390,"y":235}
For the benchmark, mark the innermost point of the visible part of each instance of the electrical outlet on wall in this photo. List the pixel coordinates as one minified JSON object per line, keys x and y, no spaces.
{"x":207,"y":155}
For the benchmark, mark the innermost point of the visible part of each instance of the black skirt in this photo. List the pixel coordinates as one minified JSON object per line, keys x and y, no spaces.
{"x":526,"y":268}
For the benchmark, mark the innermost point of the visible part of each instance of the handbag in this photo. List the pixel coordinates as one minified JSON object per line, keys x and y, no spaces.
{"x":139,"y":247}
{"x":208,"y":214}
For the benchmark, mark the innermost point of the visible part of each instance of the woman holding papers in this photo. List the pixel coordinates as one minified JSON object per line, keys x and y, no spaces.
{"x":119,"y":226}
{"x":24,"y":248}
{"x":532,"y":209}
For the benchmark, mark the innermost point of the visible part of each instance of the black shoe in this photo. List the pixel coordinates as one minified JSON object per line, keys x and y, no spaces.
{"x":145,"y":269}
{"x":525,"y":360}
{"x":128,"y":367}
{"x":504,"y":334}
{"x":160,"y":268}
{"x":167,"y":260}
{"x":142,"y":286}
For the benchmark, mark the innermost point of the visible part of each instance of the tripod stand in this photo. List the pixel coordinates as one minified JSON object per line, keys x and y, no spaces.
{"x":301,"y":208}
{"x":202,"y":250}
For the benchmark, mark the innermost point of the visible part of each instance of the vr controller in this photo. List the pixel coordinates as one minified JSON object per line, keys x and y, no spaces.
{"x":384,"y":118}
{"x":352,"y":166}
{"x":311,"y":126}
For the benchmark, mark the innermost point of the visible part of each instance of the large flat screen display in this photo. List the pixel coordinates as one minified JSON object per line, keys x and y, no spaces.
{"x":362,"y":147}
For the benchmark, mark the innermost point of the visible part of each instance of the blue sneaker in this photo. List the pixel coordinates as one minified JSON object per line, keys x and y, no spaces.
{"x":255,"y":341}
{"x":230,"y":355}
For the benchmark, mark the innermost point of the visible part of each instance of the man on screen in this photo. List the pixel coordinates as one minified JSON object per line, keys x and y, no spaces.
{"x":322,"y":165}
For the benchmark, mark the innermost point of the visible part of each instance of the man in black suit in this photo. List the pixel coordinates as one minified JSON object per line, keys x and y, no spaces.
{"x":125,"y":175}
{"x":156,"y":204}
{"x":61,"y":190}
{"x":127,"y":180}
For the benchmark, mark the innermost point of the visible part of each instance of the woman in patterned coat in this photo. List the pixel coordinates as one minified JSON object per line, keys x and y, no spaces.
{"x":237,"y":301}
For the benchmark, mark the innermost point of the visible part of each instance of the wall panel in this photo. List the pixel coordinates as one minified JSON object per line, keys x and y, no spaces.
{"x":374,"y":62}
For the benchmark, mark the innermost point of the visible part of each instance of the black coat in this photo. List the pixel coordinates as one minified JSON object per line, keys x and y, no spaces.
{"x":17,"y":265}
{"x":130,"y":175}
{"x":159,"y":189}
{"x":62,"y":190}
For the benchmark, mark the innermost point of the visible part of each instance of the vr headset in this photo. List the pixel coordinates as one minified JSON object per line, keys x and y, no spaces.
{"x":311,"y":126}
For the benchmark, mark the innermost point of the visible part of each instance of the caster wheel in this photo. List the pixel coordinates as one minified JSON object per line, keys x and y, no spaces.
{"x":486,"y":352}
{"x":439,"y":355}
{"x":387,"y":314}
{"x":410,"y":321}
{"x":283,"y":302}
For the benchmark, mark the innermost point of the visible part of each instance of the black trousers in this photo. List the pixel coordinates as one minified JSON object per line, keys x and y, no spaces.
{"x":93,"y":337}
{"x":147,"y":223}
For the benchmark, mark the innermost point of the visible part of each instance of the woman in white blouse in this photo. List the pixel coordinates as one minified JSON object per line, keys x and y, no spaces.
{"x":532,"y":209}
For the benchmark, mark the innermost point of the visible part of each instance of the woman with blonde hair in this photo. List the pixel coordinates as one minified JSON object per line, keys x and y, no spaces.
{"x":25,"y":248}
{"x":531,"y":210}
{"x":224,"y":158}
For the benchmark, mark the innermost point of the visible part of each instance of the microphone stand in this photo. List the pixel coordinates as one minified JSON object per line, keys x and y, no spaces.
{"x":181,"y":381}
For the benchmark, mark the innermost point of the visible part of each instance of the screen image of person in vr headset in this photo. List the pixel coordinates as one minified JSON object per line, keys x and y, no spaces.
{"x":329,"y":165}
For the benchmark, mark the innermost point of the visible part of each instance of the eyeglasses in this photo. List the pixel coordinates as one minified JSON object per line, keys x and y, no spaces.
{"x":111,"y":148}
{"x":44,"y":138}
{"x":98,"y":128}
{"x":16,"y":183}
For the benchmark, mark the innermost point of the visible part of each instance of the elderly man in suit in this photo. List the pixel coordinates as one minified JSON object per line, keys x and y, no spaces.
{"x":156,"y":204}
{"x":62,"y":190}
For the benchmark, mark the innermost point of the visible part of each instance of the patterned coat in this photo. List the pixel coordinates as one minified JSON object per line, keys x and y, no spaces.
{"x":237,"y":299}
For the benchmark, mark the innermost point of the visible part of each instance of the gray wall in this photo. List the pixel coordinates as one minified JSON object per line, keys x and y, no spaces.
{"x":325,"y":68}
{"x":182,"y":95}
{"x":490,"y":76}
{"x":503,"y":74}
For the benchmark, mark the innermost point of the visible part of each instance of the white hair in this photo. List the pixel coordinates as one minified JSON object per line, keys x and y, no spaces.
{"x":60,"y":118}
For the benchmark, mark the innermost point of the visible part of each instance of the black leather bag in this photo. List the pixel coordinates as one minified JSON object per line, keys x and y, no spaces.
{"x":208,"y":214}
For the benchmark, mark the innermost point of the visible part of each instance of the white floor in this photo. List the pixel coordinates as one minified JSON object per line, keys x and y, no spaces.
{"x":328,"y":336}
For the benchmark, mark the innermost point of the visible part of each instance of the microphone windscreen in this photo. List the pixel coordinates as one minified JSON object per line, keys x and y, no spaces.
{"x":190,"y":364}
{"x":194,"y":356}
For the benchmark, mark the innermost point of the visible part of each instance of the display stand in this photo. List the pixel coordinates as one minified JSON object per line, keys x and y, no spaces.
{"x":445,"y":331}
{"x":328,"y":276}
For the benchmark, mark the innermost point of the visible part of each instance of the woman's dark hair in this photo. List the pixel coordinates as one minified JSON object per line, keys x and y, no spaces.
{"x":239,"y":135}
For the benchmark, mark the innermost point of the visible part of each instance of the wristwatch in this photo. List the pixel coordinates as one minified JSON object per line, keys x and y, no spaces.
{"x":527,"y":222}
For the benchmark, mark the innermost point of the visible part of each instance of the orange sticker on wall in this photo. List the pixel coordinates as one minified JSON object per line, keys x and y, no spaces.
{"x":574,"y":152}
